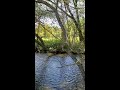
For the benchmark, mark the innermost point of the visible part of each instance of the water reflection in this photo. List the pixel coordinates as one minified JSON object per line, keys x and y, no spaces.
{"x":58,"y":73}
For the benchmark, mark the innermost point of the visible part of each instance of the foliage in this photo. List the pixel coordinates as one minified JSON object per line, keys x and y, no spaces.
{"x":70,"y":30}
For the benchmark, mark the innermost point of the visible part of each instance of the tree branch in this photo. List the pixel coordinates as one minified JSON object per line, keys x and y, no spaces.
{"x":57,"y":16}
{"x":49,"y":31}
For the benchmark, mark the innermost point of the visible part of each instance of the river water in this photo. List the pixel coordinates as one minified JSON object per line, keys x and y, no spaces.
{"x":57,"y":73}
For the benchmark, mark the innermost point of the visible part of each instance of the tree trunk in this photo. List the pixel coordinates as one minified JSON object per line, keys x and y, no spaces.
{"x":58,"y":19}
{"x":41,"y":43}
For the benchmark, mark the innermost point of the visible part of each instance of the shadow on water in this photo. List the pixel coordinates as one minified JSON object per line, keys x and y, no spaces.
{"x":57,"y":73}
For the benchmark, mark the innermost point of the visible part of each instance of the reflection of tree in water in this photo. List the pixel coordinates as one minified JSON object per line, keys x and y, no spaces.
{"x":60,"y":74}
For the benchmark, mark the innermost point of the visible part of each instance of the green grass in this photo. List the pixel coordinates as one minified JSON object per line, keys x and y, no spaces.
{"x":52,"y":43}
{"x":55,"y":44}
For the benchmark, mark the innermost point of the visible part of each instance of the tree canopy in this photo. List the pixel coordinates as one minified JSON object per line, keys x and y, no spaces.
{"x":63,"y":22}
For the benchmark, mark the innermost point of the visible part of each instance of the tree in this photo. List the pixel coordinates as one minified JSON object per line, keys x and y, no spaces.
{"x":64,"y":10}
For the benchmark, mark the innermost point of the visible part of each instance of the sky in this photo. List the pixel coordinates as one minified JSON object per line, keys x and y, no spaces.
{"x":51,"y":21}
{"x":48,"y":21}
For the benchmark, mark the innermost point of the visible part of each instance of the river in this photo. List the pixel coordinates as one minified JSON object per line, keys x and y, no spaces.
{"x":57,"y":73}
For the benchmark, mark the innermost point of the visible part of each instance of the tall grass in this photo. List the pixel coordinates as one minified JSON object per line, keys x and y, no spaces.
{"x":52,"y":43}
{"x":56,"y":44}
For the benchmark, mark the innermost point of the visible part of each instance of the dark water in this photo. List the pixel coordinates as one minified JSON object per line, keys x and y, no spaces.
{"x":57,"y":73}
